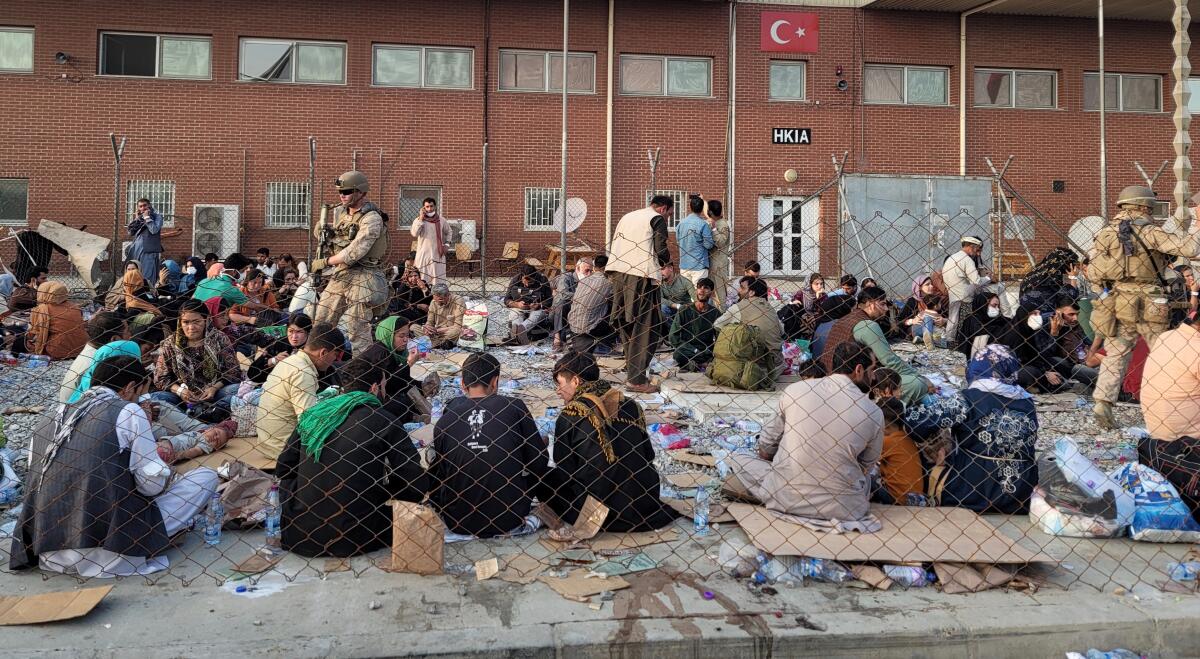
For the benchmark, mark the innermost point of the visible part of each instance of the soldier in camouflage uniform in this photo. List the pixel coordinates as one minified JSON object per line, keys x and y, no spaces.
{"x":356,"y":286}
{"x":1126,"y":271}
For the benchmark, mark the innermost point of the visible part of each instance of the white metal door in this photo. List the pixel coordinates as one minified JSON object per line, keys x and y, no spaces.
{"x":792,"y":245}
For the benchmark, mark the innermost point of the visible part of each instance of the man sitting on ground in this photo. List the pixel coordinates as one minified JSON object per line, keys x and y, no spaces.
{"x":692,"y":335}
{"x":444,"y":324}
{"x":1170,"y":399}
{"x":564,"y":287}
{"x":24,"y":296}
{"x":527,"y":299}
{"x":488,"y":457}
{"x":747,"y":352}
{"x":815,"y":455}
{"x":291,"y":388}
{"x":347,"y":458}
{"x":1060,"y":351}
{"x":101,"y":502}
{"x":677,"y":292}
{"x":860,"y":326}
{"x":588,"y":317}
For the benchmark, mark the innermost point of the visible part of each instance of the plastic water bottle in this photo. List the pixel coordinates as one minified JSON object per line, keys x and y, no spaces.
{"x":700,"y":511}
{"x":273,"y":513}
{"x":438,"y":408}
{"x":908,"y":576}
{"x":1189,"y":571}
{"x":819,"y":569}
{"x":213,"y":520}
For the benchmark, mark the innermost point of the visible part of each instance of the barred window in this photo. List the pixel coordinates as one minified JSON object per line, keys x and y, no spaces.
{"x":269,"y":60}
{"x":539,"y":208}
{"x":680,"y":198}
{"x":287,"y":204}
{"x":161,"y":195}
{"x":14,"y":201}
{"x":16,"y":49}
{"x":412,"y":199}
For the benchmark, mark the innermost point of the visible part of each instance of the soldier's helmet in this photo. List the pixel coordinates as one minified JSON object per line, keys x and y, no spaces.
{"x":353,"y":181}
{"x":1137,"y":195}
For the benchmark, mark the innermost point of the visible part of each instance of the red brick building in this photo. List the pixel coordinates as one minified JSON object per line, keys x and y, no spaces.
{"x":218,"y":100}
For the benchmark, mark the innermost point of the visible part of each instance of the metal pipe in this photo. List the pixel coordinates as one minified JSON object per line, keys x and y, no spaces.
{"x":731,"y":132}
{"x":562,"y":257}
{"x":483,"y":225}
{"x":1103,"y":111}
{"x":962,"y":82}
{"x":608,"y":133}
{"x":487,"y":67}
{"x":114,"y":257}
{"x":245,"y":189}
{"x":312,"y":187}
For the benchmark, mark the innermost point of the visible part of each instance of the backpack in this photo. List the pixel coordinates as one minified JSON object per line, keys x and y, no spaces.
{"x":741,"y":359}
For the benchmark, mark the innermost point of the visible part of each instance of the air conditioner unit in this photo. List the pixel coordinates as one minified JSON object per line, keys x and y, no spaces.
{"x":214,"y":229}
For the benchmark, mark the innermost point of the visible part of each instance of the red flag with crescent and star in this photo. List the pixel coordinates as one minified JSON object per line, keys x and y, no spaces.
{"x":789,"y":32}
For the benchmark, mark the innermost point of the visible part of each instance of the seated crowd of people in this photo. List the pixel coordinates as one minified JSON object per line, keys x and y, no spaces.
{"x":157,"y":373}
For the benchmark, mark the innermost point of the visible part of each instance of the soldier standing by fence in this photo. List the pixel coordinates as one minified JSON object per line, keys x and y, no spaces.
{"x":360,"y":241}
{"x":1127,"y":263}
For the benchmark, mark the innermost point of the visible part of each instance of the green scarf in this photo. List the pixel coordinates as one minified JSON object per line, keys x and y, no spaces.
{"x":320,"y":420}
{"x":384,"y":333}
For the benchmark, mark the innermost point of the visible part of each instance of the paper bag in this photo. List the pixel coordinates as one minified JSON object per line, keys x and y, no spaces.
{"x":418,"y":537}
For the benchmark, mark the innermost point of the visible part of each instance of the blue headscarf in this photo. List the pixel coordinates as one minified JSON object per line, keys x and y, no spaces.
{"x":114,"y":349}
{"x":174,"y":275}
{"x":994,"y":369}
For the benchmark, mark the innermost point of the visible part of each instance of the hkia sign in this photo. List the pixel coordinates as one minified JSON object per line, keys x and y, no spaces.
{"x":789,"y":32}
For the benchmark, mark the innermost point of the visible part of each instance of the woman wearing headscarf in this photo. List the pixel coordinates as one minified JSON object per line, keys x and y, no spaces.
{"x":923,"y":311}
{"x":136,"y":292}
{"x":112,"y":349}
{"x":56,"y":327}
{"x":197,"y":364}
{"x":601,"y":449}
{"x":170,"y":278}
{"x":392,"y":334}
{"x":985,"y":325}
{"x":193,"y":272}
{"x":989,"y":464}
{"x":1046,"y":281}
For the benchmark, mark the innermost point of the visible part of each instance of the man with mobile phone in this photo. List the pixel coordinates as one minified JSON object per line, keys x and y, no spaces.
{"x":146,"y":230}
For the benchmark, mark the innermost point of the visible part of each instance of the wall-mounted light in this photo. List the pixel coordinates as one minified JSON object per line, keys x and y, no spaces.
{"x":842,"y":85}
{"x":791,"y":175}
{"x":61,"y":57}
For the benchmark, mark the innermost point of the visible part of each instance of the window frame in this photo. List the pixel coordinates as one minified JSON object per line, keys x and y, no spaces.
{"x":546,"y":55}
{"x":5,"y":222}
{"x":375,"y":47}
{"x":1121,"y":92}
{"x":556,"y":192}
{"x":32,"y":49}
{"x":153,"y":185}
{"x":906,"y":68}
{"x":680,"y":197}
{"x":158,"y":44}
{"x":1012,"y":88}
{"x":666,"y":70}
{"x":294,"y":186}
{"x":802,"y":64}
{"x":295,"y":46}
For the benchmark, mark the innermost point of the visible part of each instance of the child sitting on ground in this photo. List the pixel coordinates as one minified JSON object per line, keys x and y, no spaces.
{"x":901,"y":473}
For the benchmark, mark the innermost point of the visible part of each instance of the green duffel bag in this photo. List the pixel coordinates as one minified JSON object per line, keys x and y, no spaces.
{"x":741,"y":359}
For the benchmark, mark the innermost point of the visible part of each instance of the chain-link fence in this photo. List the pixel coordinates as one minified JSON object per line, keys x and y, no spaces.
{"x":903,"y":420}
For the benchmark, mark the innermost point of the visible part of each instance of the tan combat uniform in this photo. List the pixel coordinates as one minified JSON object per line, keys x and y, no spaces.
{"x":357,"y":287}
{"x":1136,"y":303}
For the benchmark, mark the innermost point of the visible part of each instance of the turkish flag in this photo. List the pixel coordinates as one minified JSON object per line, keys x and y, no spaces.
{"x":789,"y":32}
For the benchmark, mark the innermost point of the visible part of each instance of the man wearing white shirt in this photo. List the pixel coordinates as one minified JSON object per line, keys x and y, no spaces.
{"x":102,"y":503}
{"x":962,"y":276}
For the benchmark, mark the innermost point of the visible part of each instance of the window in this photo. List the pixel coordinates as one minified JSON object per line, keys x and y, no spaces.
{"x":1194,"y":101}
{"x":788,"y":80}
{"x":155,"y":56}
{"x":909,"y":85}
{"x":1123,"y":92}
{"x":541,"y":71}
{"x":161,"y":195}
{"x":312,"y":62}
{"x":656,"y":75}
{"x":16,"y":49}
{"x":412,"y":198}
{"x":540,"y":204}
{"x":287,"y":204}
{"x":14,"y":201}
{"x":680,"y":198}
{"x":1009,"y":88}
{"x":423,"y":66}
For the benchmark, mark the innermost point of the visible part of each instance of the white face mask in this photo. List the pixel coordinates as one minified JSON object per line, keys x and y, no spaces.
{"x":993,"y":312}
{"x":190,"y":271}
{"x":1035,"y":322}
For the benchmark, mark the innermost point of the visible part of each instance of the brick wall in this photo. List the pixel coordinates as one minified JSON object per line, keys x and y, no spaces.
{"x":222,"y":141}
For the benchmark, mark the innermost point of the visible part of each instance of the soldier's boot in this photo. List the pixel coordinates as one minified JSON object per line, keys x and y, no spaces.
{"x":1103,"y":415}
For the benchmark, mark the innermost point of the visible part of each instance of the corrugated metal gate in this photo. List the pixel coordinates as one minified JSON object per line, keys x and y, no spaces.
{"x":897,"y":228}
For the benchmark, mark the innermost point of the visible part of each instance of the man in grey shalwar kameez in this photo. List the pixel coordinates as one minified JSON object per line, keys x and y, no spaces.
{"x":146,"y":230}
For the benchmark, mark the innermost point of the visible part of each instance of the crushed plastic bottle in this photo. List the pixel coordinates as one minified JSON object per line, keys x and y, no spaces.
{"x":214,"y":518}
{"x":820,"y":569}
{"x":701,"y":511}
{"x":908,"y":576}
{"x":1185,"y":572}
{"x":274,"y":537}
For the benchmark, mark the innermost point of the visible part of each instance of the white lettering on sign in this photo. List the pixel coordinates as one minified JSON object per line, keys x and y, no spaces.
{"x":791,"y":136}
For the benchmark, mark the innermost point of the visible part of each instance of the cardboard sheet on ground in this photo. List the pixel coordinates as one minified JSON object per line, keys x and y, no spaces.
{"x":238,"y":448}
{"x":49,"y":607}
{"x":578,"y":586}
{"x":538,"y":399}
{"x":699,"y":383}
{"x":611,"y":363}
{"x":521,"y":569}
{"x":610,"y":542}
{"x":717,"y":514}
{"x":909,"y":534}
{"x":683,"y":455}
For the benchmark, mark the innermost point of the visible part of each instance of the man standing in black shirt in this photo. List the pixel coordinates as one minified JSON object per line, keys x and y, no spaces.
{"x":488,"y":456}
